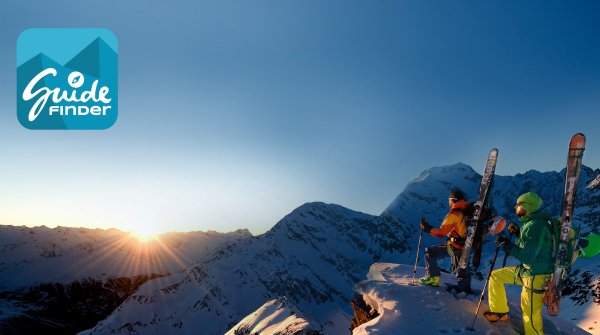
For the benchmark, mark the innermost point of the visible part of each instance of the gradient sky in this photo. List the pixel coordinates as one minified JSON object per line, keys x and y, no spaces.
{"x":233,"y":113}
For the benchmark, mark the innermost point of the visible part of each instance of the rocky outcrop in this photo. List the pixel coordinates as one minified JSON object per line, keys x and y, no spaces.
{"x":363,"y":313}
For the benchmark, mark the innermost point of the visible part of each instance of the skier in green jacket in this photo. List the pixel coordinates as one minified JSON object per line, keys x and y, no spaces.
{"x":533,"y":247}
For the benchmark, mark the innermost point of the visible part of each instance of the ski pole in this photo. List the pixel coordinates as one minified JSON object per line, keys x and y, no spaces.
{"x":506,"y":254}
{"x":485,"y":285}
{"x":417,"y":258}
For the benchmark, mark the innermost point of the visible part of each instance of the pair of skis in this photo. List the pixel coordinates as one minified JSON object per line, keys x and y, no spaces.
{"x":481,"y":203}
{"x":563,"y":258}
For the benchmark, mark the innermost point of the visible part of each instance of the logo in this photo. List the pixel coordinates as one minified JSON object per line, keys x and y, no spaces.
{"x":67,"y":78}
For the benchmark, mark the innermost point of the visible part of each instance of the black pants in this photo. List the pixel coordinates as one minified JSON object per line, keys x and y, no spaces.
{"x":435,"y":252}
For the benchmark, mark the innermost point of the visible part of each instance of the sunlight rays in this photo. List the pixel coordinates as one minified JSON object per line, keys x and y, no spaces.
{"x":125,"y":254}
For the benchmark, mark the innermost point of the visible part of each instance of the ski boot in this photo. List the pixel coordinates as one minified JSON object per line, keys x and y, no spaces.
{"x":495,"y":317}
{"x":430,"y":280}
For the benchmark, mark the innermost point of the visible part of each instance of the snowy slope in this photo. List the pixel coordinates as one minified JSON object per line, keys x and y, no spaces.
{"x":407,"y":309}
{"x":63,"y":280}
{"x":314,"y":257}
{"x":276,"y":317}
{"x":594,"y":183}
{"x":30,"y":256}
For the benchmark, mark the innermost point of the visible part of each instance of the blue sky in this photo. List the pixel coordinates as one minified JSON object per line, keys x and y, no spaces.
{"x":233,"y":113}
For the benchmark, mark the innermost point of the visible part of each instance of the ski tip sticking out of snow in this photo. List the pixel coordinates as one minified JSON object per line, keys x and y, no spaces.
{"x":408,"y":309}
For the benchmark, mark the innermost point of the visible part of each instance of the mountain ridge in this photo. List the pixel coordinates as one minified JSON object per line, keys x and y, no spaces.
{"x":315,"y":255}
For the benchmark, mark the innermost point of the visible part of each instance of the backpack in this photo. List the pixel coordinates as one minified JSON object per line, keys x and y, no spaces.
{"x":554,"y":226}
{"x":549,"y":290}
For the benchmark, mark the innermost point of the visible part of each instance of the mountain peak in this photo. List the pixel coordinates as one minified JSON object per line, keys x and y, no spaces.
{"x":314,"y":256}
{"x":444,"y":172}
{"x":277,"y":317}
{"x":315,"y":217}
{"x":431,"y":186}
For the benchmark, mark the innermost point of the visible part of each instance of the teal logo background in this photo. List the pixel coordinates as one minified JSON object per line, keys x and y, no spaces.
{"x":83,"y":91}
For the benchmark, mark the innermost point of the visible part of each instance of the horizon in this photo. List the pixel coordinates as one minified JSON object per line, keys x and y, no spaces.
{"x":232,"y":114}
{"x":154,"y":235}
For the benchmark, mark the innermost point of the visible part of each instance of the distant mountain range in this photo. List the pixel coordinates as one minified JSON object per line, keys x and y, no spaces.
{"x":61,"y":280}
{"x":314,"y":257}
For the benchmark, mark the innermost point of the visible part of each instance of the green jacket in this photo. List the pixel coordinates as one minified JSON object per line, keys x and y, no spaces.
{"x":534,"y":245}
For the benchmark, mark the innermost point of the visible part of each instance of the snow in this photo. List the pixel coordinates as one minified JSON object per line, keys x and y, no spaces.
{"x":314,"y":256}
{"x":591,"y":320}
{"x":586,"y":316}
{"x":274,"y":317}
{"x":594,"y":183}
{"x":31,"y":256}
{"x":416,"y":309}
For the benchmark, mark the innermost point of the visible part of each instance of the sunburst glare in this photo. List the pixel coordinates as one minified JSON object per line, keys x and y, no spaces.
{"x":145,"y":236}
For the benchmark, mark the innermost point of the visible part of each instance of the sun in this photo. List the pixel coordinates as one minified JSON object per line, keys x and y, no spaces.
{"x":145,"y":236}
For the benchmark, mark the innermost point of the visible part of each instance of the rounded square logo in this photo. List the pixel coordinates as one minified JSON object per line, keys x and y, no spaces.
{"x":67,"y":78}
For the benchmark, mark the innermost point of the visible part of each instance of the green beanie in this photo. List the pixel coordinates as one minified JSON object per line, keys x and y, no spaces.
{"x":530,"y":201}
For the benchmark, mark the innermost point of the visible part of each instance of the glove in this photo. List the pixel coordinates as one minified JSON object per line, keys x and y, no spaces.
{"x":424,"y":225}
{"x":513,"y":229}
{"x":502,"y":241}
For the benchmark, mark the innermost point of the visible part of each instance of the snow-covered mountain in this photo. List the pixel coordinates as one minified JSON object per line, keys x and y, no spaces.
{"x":30,"y":256}
{"x":313,"y":256}
{"x":277,"y":316}
{"x":64,"y":279}
{"x":316,"y":255}
{"x":426,"y":196}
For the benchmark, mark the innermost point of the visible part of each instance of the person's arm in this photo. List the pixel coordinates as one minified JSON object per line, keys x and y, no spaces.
{"x":531,"y":238}
{"x":446,"y":226}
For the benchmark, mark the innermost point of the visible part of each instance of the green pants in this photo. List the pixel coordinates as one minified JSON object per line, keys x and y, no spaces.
{"x":531,"y":301}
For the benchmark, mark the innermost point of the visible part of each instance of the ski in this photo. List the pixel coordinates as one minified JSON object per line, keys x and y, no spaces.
{"x":563,"y":259}
{"x":482,"y":200}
